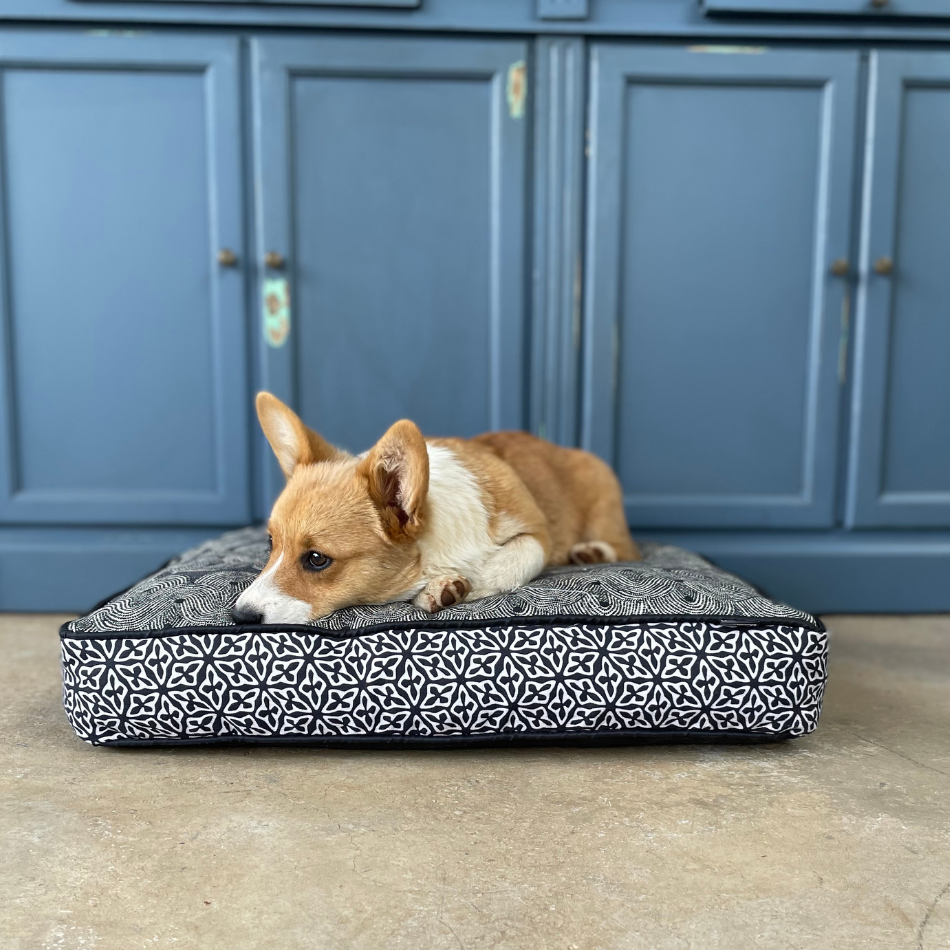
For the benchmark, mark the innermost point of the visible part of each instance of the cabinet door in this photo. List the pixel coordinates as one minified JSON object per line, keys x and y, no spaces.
{"x":124,"y":396}
{"x":392,"y":183}
{"x":900,"y":447}
{"x":718,"y":197}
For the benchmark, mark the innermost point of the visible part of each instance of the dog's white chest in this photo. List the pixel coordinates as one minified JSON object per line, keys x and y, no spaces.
{"x":458,"y":536}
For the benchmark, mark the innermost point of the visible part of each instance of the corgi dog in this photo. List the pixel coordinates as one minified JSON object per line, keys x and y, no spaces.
{"x":431,"y":521}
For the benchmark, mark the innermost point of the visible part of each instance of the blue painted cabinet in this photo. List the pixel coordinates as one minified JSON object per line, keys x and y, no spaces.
{"x":719,"y":199}
{"x":699,"y":261}
{"x":900,"y":448}
{"x":392,"y":183}
{"x":123,"y":360}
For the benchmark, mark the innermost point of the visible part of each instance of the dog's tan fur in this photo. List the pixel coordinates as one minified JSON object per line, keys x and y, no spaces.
{"x":390,"y":522}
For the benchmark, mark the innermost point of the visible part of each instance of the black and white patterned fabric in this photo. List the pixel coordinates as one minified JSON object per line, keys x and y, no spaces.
{"x":668,"y":647}
{"x":199,"y":588}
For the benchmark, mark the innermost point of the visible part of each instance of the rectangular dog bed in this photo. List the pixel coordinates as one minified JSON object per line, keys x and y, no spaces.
{"x":667,"y":648}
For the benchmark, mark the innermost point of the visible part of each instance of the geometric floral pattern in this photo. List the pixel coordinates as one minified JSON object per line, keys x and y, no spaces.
{"x":519,"y":677}
{"x":417,"y":683}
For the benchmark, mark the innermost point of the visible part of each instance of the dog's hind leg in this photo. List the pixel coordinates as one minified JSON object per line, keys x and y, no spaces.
{"x":606,"y":537}
{"x":592,"y":552}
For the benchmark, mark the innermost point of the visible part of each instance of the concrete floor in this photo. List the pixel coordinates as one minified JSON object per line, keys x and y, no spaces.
{"x":838,"y":840}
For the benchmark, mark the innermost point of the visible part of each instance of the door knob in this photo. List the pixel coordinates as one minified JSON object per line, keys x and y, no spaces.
{"x":884,"y":266}
{"x":840,"y":267}
{"x":274,"y":260}
{"x":227,"y":257}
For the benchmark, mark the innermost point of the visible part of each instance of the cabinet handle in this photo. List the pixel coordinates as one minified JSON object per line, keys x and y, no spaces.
{"x":274,"y":260}
{"x":840,"y":267}
{"x":884,"y":266}
{"x":227,"y":257}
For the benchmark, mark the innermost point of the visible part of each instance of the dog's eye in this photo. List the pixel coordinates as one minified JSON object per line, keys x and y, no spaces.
{"x":315,"y":561}
{"x":270,"y":543}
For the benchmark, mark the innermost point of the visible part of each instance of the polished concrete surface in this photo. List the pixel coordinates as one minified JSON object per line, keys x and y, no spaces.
{"x":838,"y":840}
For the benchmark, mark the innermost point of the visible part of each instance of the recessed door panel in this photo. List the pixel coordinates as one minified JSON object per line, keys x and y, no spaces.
{"x":719,"y":197}
{"x":900,"y":458}
{"x":393,"y":175}
{"x":123,"y":356}
{"x":393,"y":251}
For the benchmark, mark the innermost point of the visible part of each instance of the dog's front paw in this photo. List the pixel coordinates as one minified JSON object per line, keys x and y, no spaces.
{"x":443,"y":592}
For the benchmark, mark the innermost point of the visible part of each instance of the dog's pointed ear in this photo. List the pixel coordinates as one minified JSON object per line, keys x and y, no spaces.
{"x":397,"y":475}
{"x":293,"y":443}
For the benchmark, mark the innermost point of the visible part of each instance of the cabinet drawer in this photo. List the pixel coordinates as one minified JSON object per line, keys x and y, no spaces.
{"x":284,"y":3}
{"x":875,"y":8}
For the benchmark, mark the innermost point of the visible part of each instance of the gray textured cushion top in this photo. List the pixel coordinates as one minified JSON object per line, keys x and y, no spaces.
{"x":198,"y":588}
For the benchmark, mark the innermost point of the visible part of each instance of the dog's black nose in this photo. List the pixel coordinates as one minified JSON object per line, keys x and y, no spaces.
{"x":246,"y":614}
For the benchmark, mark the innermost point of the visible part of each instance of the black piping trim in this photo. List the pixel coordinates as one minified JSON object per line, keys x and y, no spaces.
{"x":475,"y":623}
{"x":505,"y":739}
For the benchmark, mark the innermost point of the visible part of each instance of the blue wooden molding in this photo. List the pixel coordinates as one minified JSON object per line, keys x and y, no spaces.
{"x":886,"y":11}
{"x":98,"y":562}
{"x":558,"y":262}
{"x":833,"y":572}
{"x":563,"y":9}
{"x":683,"y":19}
{"x":822,"y":572}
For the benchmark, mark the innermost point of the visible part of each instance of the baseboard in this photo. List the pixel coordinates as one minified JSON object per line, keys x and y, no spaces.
{"x":70,"y":570}
{"x":834,"y":572}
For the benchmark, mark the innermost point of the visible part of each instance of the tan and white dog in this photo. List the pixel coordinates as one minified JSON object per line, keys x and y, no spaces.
{"x":432,"y":521}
